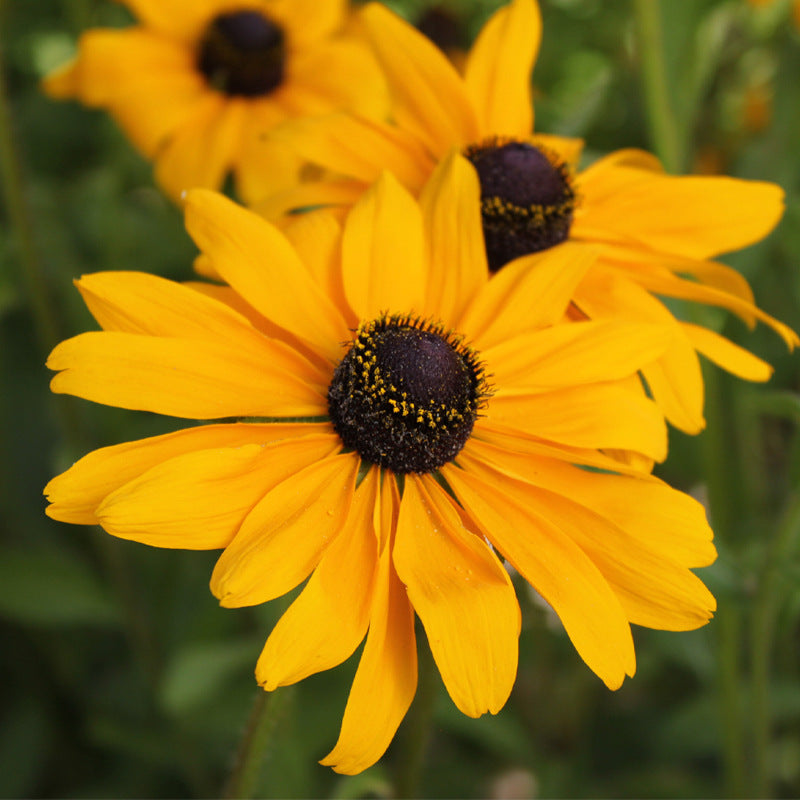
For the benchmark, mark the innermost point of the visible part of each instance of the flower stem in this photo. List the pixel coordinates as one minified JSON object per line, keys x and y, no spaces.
{"x":664,"y":129}
{"x":766,"y":608}
{"x":268,"y":709}
{"x":417,"y":727}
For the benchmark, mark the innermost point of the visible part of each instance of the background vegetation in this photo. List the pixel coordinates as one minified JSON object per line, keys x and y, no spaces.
{"x":120,"y":675}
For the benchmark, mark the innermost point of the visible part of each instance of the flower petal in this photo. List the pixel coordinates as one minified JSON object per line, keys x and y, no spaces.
{"x":600,"y":415}
{"x":180,"y":19}
{"x":429,"y":97}
{"x":356,"y":147}
{"x":185,"y":378}
{"x":530,"y":292}
{"x":558,"y":569}
{"x":463,"y":596}
{"x":498,"y":70}
{"x":386,"y":678}
{"x":383,"y":256}
{"x":577,"y":352}
{"x":76,"y":493}
{"x":285,"y":535}
{"x":325,"y":624}
{"x":728,"y":355}
{"x":337,"y":74}
{"x":198,"y":500}
{"x":673,"y":524}
{"x":257,"y":260}
{"x":309,"y":20}
{"x":450,"y":206}
{"x":688,"y":215}
{"x":204,"y":149}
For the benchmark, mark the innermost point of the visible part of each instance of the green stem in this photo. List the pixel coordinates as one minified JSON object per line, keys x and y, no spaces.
{"x":664,"y":129}
{"x":724,"y":487}
{"x":268,"y":710}
{"x":417,"y":727}
{"x":765,"y":611}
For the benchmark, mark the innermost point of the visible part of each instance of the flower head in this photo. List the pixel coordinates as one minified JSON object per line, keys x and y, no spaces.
{"x":423,"y":420}
{"x":196,"y":85}
{"x":655,"y":233}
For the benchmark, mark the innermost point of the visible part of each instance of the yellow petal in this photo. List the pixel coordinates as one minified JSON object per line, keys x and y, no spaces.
{"x":333,"y":195}
{"x":530,"y":292}
{"x":76,"y":493}
{"x":673,"y":524}
{"x":675,"y":381}
{"x":386,"y":678}
{"x":333,"y":75}
{"x":383,"y":257}
{"x":284,"y":537}
{"x":204,"y":150}
{"x":198,"y":500}
{"x":450,"y":206}
{"x":309,"y":20}
{"x":260,"y":264}
{"x":559,"y":570}
{"x":728,"y":355}
{"x":265,"y":167}
{"x":654,"y":589}
{"x":463,"y":596}
{"x":429,"y":97}
{"x":498,"y":70}
{"x":600,"y":415}
{"x":358,"y":148}
{"x":180,"y":19}
{"x":693,"y":216}
{"x":136,"y":302}
{"x":621,"y":462}
{"x":186,"y":378}
{"x":577,"y":353}
{"x":329,"y":619}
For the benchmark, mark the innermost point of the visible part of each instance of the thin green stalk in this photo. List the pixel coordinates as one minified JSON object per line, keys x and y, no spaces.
{"x":268,"y":710}
{"x":663,"y":122}
{"x":417,"y":727}
{"x":718,"y":454}
{"x":765,"y":611}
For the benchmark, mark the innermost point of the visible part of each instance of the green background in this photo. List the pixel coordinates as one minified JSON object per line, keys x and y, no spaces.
{"x":120,"y":675}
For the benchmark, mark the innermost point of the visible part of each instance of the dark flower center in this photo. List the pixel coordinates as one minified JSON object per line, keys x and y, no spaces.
{"x":243,"y":53}
{"x":406,"y":394}
{"x":527,"y":199}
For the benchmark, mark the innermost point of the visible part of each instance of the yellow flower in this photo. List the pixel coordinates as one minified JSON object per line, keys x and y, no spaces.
{"x":656,"y":232}
{"x":445,"y":420}
{"x":198,"y":83}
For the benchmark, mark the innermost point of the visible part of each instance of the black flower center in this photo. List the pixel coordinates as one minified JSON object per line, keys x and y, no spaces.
{"x":243,"y":53}
{"x":527,"y":199}
{"x":406,"y":394}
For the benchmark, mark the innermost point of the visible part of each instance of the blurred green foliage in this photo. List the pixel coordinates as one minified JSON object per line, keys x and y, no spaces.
{"x":120,"y":675}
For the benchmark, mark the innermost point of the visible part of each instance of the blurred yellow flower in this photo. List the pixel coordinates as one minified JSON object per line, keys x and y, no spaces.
{"x":656,"y":233}
{"x":197,"y":83}
{"x":448,"y":418}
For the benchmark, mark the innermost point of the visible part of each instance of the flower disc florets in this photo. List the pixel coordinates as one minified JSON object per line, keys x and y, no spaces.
{"x":243,"y":53}
{"x":527,"y":198}
{"x":406,"y":394}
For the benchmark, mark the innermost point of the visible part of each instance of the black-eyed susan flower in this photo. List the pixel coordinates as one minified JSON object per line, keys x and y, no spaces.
{"x":197,"y":83}
{"x":656,"y":233}
{"x":424,"y":423}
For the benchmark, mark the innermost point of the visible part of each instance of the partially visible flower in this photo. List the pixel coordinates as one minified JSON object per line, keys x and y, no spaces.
{"x":197,"y":83}
{"x":445,"y":28}
{"x":425,"y":424}
{"x":656,"y":233}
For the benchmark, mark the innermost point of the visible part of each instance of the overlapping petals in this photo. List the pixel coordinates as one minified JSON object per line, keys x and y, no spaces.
{"x":288,"y":503}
